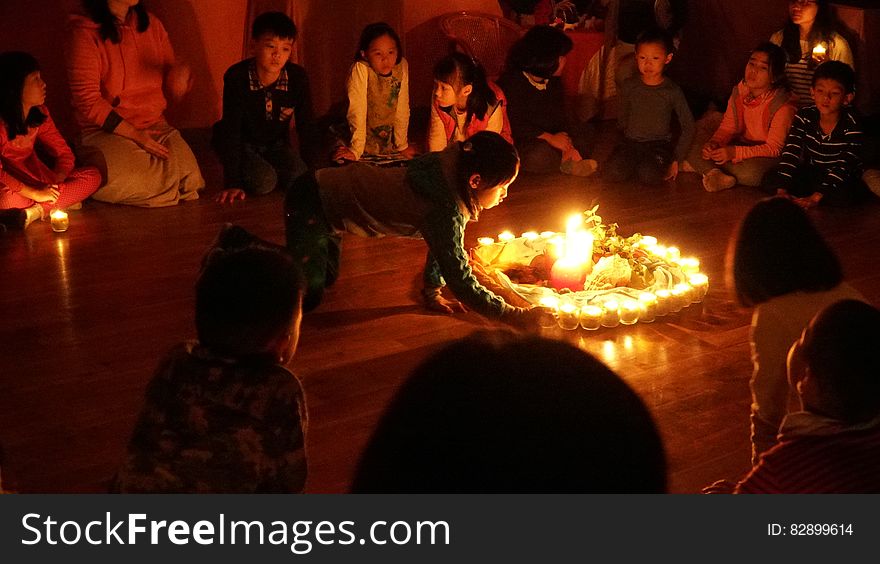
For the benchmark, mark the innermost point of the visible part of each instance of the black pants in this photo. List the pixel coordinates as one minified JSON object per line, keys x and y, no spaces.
{"x":311,"y":239}
{"x":648,"y":161}
{"x":807,"y":180}
{"x":537,"y":156}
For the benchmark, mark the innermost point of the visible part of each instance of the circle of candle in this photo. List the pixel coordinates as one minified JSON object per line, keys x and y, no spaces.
{"x":60,"y":221}
{"x":568,"y":317}
{"x":506,"y":236}
{"x":486,"y":241}
{"x":591,"y":317}
{"x":664,"y":297}
{"x":700,"y":283}
{"x":530,"y":235}
{"x":629,"y":312}
{"x":648,"y":303}
{"x":610,"y":314}
{"x":681,"y":296}
{"x":673,"y":254}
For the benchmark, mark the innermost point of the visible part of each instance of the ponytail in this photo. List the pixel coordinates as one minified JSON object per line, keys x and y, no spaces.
{"x":460,"y":70}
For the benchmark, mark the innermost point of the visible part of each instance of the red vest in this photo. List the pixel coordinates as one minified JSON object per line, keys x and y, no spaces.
{"x":476,"y":125}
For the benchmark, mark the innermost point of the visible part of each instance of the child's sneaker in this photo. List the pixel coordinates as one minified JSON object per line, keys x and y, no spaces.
{"x":716,"y":181}
{"x":583,"y":167}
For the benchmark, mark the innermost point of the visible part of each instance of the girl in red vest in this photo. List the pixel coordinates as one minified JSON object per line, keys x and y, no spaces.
{"x":465,"y":102}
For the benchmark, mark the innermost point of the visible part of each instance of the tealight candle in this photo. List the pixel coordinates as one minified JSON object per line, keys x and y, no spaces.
{"x":530,"y":235}
{"x":681,"y":296}
{"x":648,"y":302}
{"x":700,"y":283}
{"x":591,"y":317}
{"x":647,"y":241}
{"x":60,"y":221}
{"x":664,"y":299}
{"x":547,"y":234}
{"x":610,"y":314}
{"x":660,"y":251}
{"x":568,"y":316}
{"x":629,"y":312}
{"x":484,"y":241}
{"x":547,"y":314}
{"x":819,"y":52}
{"x":506,"y":236}
{"x":673,"y":254}
{"x":689,"y":265}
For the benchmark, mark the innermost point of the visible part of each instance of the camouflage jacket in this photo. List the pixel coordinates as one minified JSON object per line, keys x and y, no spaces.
{"x":217,"y":425}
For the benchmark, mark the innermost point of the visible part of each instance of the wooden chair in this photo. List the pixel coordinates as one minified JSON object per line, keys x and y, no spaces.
{"x":485,"y":37}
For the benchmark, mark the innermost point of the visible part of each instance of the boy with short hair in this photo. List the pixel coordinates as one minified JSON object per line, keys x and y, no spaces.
{"x":833,"y":444}
{"x":261,"y":96}
{"x":821,"y":160}
{"x":647,"y":102}
{"x":223,"y":414}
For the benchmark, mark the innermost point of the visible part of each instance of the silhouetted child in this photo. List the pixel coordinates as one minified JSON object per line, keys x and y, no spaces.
{"x":262,"y":95}
{"x":464,"y":103}
{"x":30,"y":187}
{"x":378,"y":98}
{"x":223,"y":414}
{"x":780,"y":264}
{"x":833,"y":444}
{"x":821,"y":160}
{"x":501,"y":413}
{"x":647,"y":104}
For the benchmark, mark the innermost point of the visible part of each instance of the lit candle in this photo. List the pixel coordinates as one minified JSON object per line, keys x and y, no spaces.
{"x":529,"y":235}
{"x":659,"y":250}
{"x":664,"y":299}
{"x":547,"y":234}
{"x":681,"y":296}
{"x":484,"y":241}
{"x":60,"y":221}
{"x":647,"y":241}
{"x":819,"y":52}
{"x":700,"y":282}
{"x":569,"y":273}
{"x":547,"y":316}
{"x":629,"y":312}
{"x":610,"y":314}
{"x":673,"y":254}
{"x":591,"y":317}
{"x":689,"y":265}
{"x":506,"y":236}
{"x":648,"y":302}
{"x":568,"y":316}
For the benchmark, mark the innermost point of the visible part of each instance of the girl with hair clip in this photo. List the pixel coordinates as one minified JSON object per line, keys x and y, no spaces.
{"x":433,"y":199}
{"x":779,"y":263}
{"x":809,"y":39}
{"x":378,"y":98}
{"x":120,"y":64}
{"x":465,"y":102}
{"x":750,"y":137}
{"x":28,"y":185}
{"x":541,"y":131}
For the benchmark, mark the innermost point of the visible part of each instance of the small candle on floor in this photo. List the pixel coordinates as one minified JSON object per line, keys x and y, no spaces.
{"x":611,"y":314}
{"x":648,"y":303}
{"x":568,"y":316}
{"x":700,"y":283}
{"x":60,"y":221}
{"x":591,"y":317}
{"x":664,"y":297}
{"x":629,"y":312}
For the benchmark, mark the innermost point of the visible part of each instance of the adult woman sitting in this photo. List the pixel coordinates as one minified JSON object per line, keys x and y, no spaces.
{"x":119,"y":60}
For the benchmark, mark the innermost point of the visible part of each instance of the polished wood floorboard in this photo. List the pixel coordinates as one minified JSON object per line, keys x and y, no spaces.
{"x":85,"y":315}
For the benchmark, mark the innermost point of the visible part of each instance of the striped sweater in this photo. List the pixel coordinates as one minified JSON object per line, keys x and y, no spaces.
{"x":837,"y":154}
{"x":819,"y":455}
{"x":800,"y":73}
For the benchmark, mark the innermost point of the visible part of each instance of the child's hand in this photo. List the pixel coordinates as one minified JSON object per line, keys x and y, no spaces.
{"x":229,"y":195}
{"x":723,"y":154}
{"x":559,"y":141}
{"x":572,"y":155}
{"x":808,"y":202}
{"x":178,"y":81}
{"x":48,"y":193}
{"x":708,"y":148}
{"x":343,"y":153}
{"x":410,"y":152}
{"x":145,"y":138}
{"x":672,"y":171}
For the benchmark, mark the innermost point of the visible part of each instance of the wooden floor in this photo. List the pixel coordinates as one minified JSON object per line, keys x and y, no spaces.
{"x":85,"y":315}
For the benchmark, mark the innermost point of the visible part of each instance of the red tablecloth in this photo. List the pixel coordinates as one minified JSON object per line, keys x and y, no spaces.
{"x":586,"y":44}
